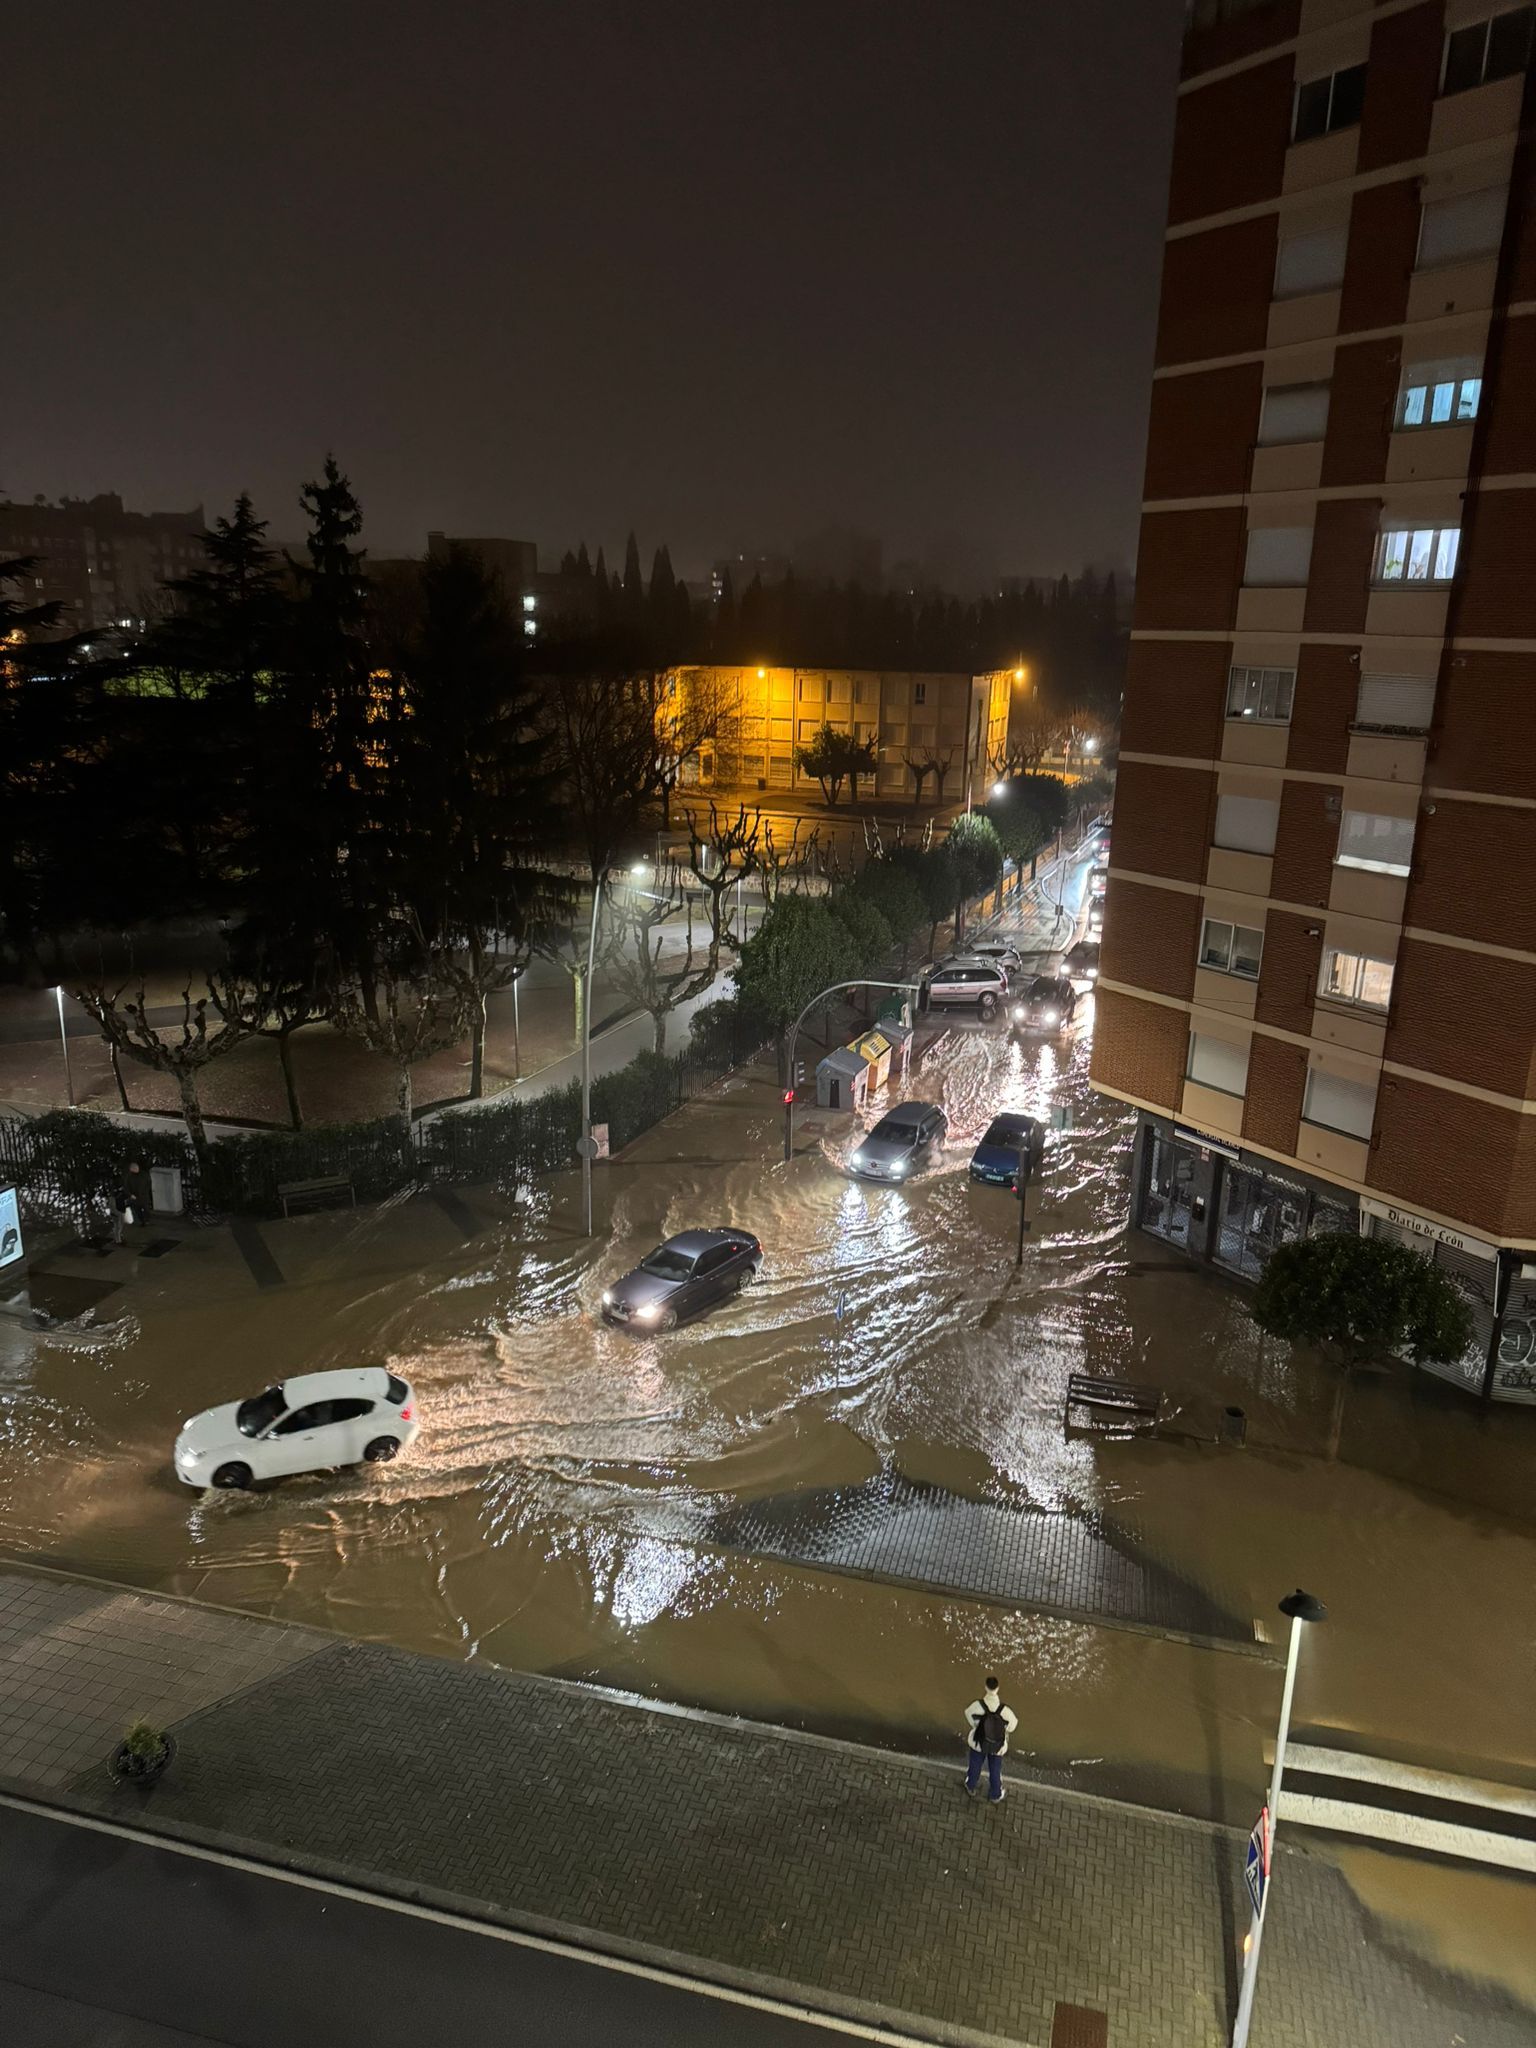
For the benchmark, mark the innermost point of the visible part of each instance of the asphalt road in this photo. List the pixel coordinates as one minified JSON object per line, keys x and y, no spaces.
{"x":108,"y":1941}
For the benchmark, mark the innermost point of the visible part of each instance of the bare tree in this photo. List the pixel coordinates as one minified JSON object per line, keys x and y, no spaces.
{"x":656,"y":976}
{"x":925,"y":761}
{"x":270,"y":1001}
{"x":691,"y":709}
{"x":721,"y":858}
{"x":604,"y":730}
{"x":126,"y":1027}
{"x":419,"y":1008}
{"x":1031,"y":737}
{"x":780,"y":869}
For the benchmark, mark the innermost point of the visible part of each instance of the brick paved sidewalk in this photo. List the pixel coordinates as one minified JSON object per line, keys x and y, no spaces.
{"x":773,"y":1860}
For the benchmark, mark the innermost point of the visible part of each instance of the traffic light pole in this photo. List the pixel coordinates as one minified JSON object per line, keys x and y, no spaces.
{"x":833,"y":988}
{"x":1021,"y":1189}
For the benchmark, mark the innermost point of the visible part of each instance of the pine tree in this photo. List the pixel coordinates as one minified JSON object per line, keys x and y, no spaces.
{"x":634,"y":583}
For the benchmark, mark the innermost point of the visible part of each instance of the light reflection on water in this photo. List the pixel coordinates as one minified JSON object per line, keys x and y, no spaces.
{"x":554,"y":1511}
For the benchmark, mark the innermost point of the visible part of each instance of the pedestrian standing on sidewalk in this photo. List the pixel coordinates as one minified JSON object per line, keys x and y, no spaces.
{"x":130,"y":1205}
{"x":988,"y":1725}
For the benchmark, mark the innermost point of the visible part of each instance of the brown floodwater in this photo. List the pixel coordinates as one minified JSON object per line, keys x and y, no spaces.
{"x":555,"y":1513}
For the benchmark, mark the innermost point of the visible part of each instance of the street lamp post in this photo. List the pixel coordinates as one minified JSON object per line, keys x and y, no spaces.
{"x":902,"y":988}
{"x":588,"y":1145}
{"x":1302,"y":1608}
{"x":69,"y":1079}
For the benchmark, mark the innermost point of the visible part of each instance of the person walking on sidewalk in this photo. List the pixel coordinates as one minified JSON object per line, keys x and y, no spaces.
{"x":988,"y":1725}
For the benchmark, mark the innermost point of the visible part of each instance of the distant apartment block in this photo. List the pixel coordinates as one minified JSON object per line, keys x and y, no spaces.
{"x":101,"y":563}
{"x":957,"y":722}
{"x":1319,"y":967}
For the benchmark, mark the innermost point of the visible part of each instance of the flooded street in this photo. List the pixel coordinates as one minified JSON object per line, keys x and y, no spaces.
{"x":665,"y":1514}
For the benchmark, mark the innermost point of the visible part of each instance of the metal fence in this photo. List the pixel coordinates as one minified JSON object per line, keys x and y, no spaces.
{"x":67,"y":1165}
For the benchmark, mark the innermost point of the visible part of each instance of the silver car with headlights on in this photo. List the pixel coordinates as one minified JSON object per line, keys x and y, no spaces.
{"x":904,"y":1140}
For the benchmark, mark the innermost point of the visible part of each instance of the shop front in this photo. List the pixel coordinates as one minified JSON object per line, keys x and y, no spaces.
{"x":1498,"y":1287}
{"x":1226,"y":1207}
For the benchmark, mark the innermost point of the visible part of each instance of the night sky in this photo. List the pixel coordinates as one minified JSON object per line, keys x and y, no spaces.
{"x":726,"y":274}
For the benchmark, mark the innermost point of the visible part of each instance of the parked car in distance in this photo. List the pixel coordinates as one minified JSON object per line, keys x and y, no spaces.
{"x":1101,"y":852}
{"x":1096,"y":917}
{"x":311,"y":1423}
{"x":1000,"y":1155}
{"x":1098,"y":882}
{"x":1081,"y":962}
{"x":967,"y":983}
{"x":904,"y":1140}
{"x":1009,"y":958}
{"x":1046,"y":1005}
{"x":687,"y":1274}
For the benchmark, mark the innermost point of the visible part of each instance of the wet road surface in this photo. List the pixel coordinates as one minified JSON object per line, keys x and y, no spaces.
{"x":261,"y":1960}
{"x":562,"y":1508}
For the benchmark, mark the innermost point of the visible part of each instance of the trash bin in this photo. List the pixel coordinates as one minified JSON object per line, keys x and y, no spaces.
{"x":165,"y":1196}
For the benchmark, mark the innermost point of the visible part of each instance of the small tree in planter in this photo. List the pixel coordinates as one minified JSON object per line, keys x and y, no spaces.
{"x":144,"y":1753}
{"x":1365,"y":1295}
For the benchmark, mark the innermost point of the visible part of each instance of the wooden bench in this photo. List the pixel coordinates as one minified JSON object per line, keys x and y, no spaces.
{"x":1120,"y":1399}
{"x":314,"y":1194}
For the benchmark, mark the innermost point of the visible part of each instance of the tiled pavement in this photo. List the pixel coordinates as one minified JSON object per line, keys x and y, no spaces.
{"x":910,"y":1533}
{"x":767,"y":1858}
{"x":78,"y":1662}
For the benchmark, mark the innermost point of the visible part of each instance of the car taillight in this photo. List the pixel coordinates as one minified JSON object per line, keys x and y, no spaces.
{"x":406,"y":1412}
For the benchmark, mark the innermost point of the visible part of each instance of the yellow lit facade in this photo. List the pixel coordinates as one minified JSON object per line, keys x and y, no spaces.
{"x":766,"y":712}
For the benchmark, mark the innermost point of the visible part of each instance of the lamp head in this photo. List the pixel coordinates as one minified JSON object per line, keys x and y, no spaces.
{"x":1303,"y":1607}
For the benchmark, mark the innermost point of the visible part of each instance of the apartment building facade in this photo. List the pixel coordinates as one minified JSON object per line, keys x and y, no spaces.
{"x":1318,"y":980}
{"x":955,"y":722}
{"x":103,"y":564}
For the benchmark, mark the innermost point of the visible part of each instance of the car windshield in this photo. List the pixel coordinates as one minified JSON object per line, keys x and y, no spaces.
{"x":259,"y":1413}
{"x":1042,"y":990}
{"x":666,"y":1264}
{"x":895,"y":1130}
{"x":1003,"y":1130}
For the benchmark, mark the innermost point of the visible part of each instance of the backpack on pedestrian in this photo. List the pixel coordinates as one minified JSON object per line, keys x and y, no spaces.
{"x":992,"y":1731}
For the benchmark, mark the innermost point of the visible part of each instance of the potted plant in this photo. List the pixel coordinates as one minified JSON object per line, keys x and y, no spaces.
{"x":143,"y":1753}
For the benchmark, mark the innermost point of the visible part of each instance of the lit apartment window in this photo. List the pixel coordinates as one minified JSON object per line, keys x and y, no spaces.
{"x":1497,"y":48}
{"x":1312,"y":262}
{"x":1418,"y":554}
{"x":1455,"y":230}
{"x":1395,"y":703}
{"x":1339,"y":1105}
{"x":1356,"y":978}
{"x":1278,"y":556}
{"x":1214,"y":1063}
{"x":1246,"y":824}
{"x":1324,"y":104}
{"x":1261,"y":695}
{"x":1231,"y":948}
{"x":1293,"y":412}
{"x":1440,"y":394}
{"x":1368,"y":839}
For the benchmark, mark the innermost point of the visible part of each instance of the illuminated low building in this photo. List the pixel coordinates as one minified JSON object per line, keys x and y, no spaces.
{"x":934,"y":730}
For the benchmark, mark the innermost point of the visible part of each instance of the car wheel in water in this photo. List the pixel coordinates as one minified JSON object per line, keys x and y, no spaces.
{"x":230,"y":1477}
{"x":988,"y":1007}
{"x":381,"y":1450}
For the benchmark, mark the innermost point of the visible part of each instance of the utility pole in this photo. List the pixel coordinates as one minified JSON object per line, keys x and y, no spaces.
{"x":69,"y":1079}
{"x":1021,"y":1189}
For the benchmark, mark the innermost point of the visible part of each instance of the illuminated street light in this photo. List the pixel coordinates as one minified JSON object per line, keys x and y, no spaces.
{"x":1018,"y":675}
{"x":761,"y":673}
{"x":999,"y":789}
{"x":69,"y":1079}
{"x":1090,"y":746}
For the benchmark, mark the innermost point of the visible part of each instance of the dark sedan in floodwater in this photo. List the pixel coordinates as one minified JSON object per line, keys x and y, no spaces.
{"x":1047,"y":1005}
{"x":904,"y":1140}
{"x":688,"y":1273}
{"x":998,"y":1157}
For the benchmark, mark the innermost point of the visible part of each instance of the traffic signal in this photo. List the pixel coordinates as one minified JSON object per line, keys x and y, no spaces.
{"x":789,"y":1096}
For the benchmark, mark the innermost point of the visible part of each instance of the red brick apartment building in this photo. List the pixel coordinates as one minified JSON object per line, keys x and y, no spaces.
{"x":1319,"y":963}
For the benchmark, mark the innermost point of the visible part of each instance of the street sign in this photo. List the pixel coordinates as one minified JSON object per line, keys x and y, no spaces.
{"x":1256,"y":1865}
{"x":1061,"y":1116}
{"x":10,"y":1227}
{"x":587,"y":1147}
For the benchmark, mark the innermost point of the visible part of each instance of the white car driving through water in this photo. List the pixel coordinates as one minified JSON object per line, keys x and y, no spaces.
{"x":311,"y":1423}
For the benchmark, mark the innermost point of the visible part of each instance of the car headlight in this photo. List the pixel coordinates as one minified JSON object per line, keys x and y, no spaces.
{"x":1093,"y":974}
{"x":1019,"y":1013}
{"x":899,"y":1167}
{"x":1050,"y":1017}
{"x":607,"y":1297}
{"x":648,"y":1311}
{"x":857,"y":1159}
